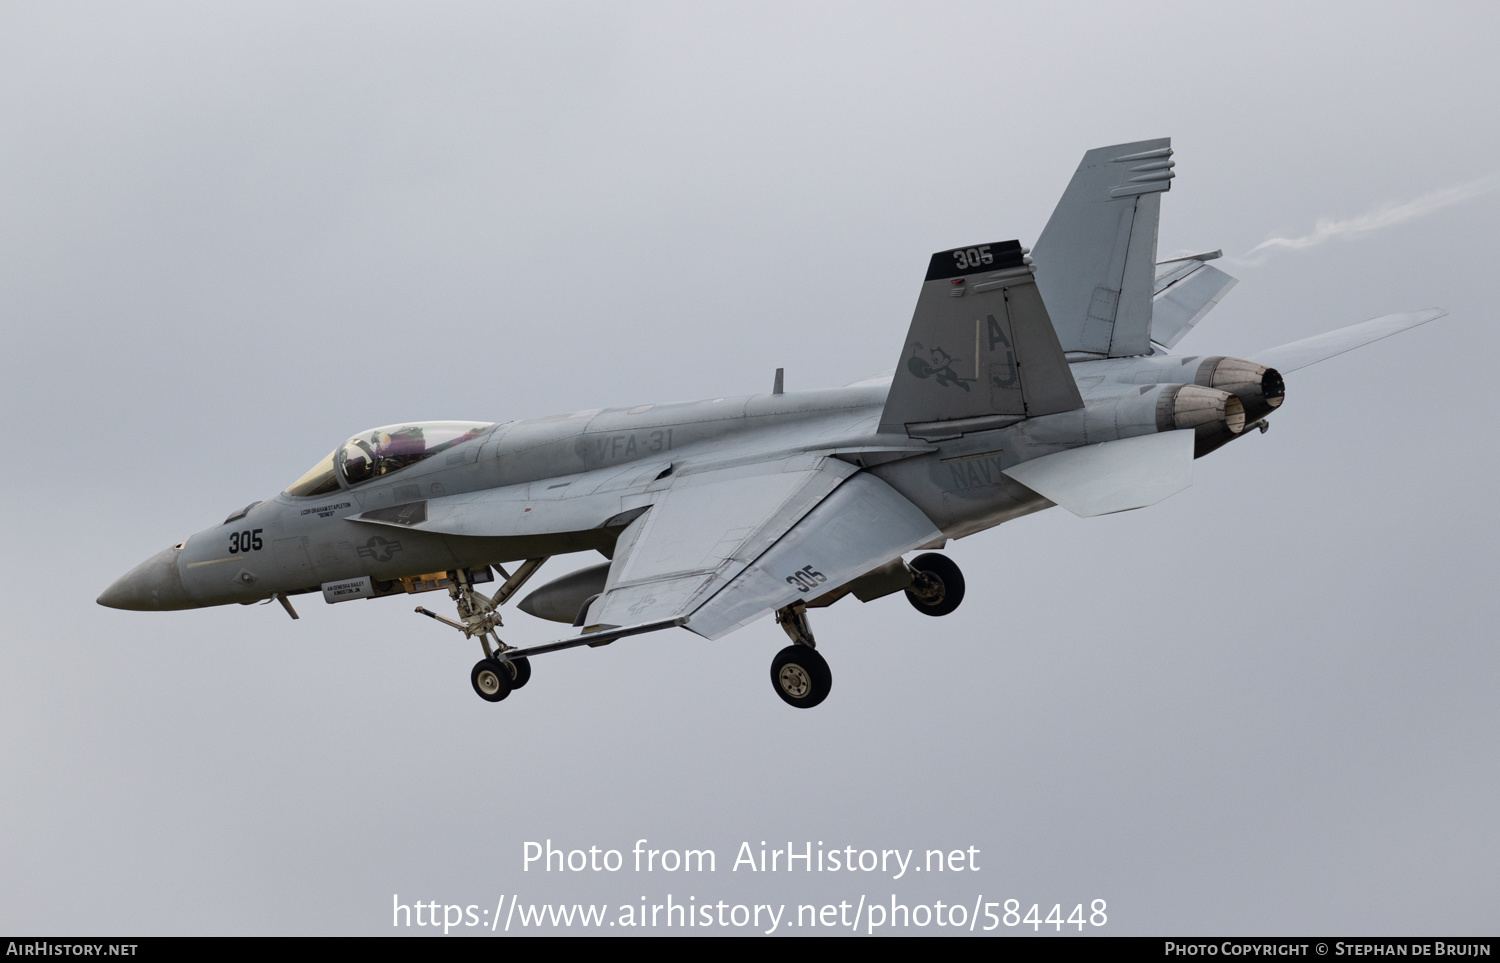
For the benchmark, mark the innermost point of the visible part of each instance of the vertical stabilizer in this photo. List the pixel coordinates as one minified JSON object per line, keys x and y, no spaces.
{"x":1096,"y":259}
{"x":981,"y":351}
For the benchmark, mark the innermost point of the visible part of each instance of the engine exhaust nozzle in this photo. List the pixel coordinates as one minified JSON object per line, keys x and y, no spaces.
{"x":1208,"y":411}
{"x":1260,"y":389}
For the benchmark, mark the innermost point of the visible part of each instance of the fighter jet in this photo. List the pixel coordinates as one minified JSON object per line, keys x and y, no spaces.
{"x":1027,"y":379}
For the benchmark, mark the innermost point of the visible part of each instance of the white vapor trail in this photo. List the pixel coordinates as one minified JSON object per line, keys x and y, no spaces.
{"x":1382,"y":217}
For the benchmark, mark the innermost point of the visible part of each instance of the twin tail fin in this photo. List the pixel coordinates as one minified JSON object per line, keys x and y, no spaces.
{"x":981,"y":351}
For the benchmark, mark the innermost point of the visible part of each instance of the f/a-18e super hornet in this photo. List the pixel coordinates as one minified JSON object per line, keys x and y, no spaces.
{"x":1023,"y":382}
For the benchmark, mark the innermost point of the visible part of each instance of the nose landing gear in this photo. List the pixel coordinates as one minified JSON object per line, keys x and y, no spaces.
{"x":495,"y":675}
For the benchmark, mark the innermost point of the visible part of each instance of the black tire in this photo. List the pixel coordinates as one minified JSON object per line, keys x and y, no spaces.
{"x":520,"y":670}
{"x":800,"y":676}
{"x":942,"y":580}
{"x":491,"y":680}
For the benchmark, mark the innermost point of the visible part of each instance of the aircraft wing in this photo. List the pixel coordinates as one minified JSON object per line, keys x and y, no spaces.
{"x":724,"y":547}
{"x":1300,"y":354}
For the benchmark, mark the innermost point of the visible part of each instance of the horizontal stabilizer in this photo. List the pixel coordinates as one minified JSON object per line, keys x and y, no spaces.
{"x":1114,"y":476}
{"x":1300,"y":354}
{"x":1186,"y":290}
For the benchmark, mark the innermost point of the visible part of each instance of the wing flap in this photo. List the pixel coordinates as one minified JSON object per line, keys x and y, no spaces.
{"x":861,"y":525}
{"x":704,"y":530}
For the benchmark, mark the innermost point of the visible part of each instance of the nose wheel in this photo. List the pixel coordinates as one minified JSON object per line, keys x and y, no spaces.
{"x":492,"y":679}
{"x":520,"y":669}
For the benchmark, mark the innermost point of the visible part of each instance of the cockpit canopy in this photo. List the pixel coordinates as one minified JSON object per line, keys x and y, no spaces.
{"x":380,"y":451}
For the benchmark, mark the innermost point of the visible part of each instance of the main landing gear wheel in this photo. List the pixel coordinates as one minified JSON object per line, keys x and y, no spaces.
{"x":492,"y":679}
{"x":520,"y":670}
{"x":801,"y":676}
{"x":937,"y":585}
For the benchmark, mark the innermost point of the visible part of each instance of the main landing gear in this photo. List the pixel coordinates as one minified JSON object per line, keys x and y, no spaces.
{"x":798,"y":673}
{"x":937,"y":585}
{"x":801,"y":676}
{"x":495,"y":675}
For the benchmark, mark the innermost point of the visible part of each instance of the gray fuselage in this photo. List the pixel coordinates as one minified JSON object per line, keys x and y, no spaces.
{"x":289,"y":545}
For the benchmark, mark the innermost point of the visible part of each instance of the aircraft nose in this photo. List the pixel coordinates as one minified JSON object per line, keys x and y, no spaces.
{"x":152,"y":585}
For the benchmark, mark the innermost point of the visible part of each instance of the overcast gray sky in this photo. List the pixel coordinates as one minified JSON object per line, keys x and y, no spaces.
{"x":233,"y":235}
